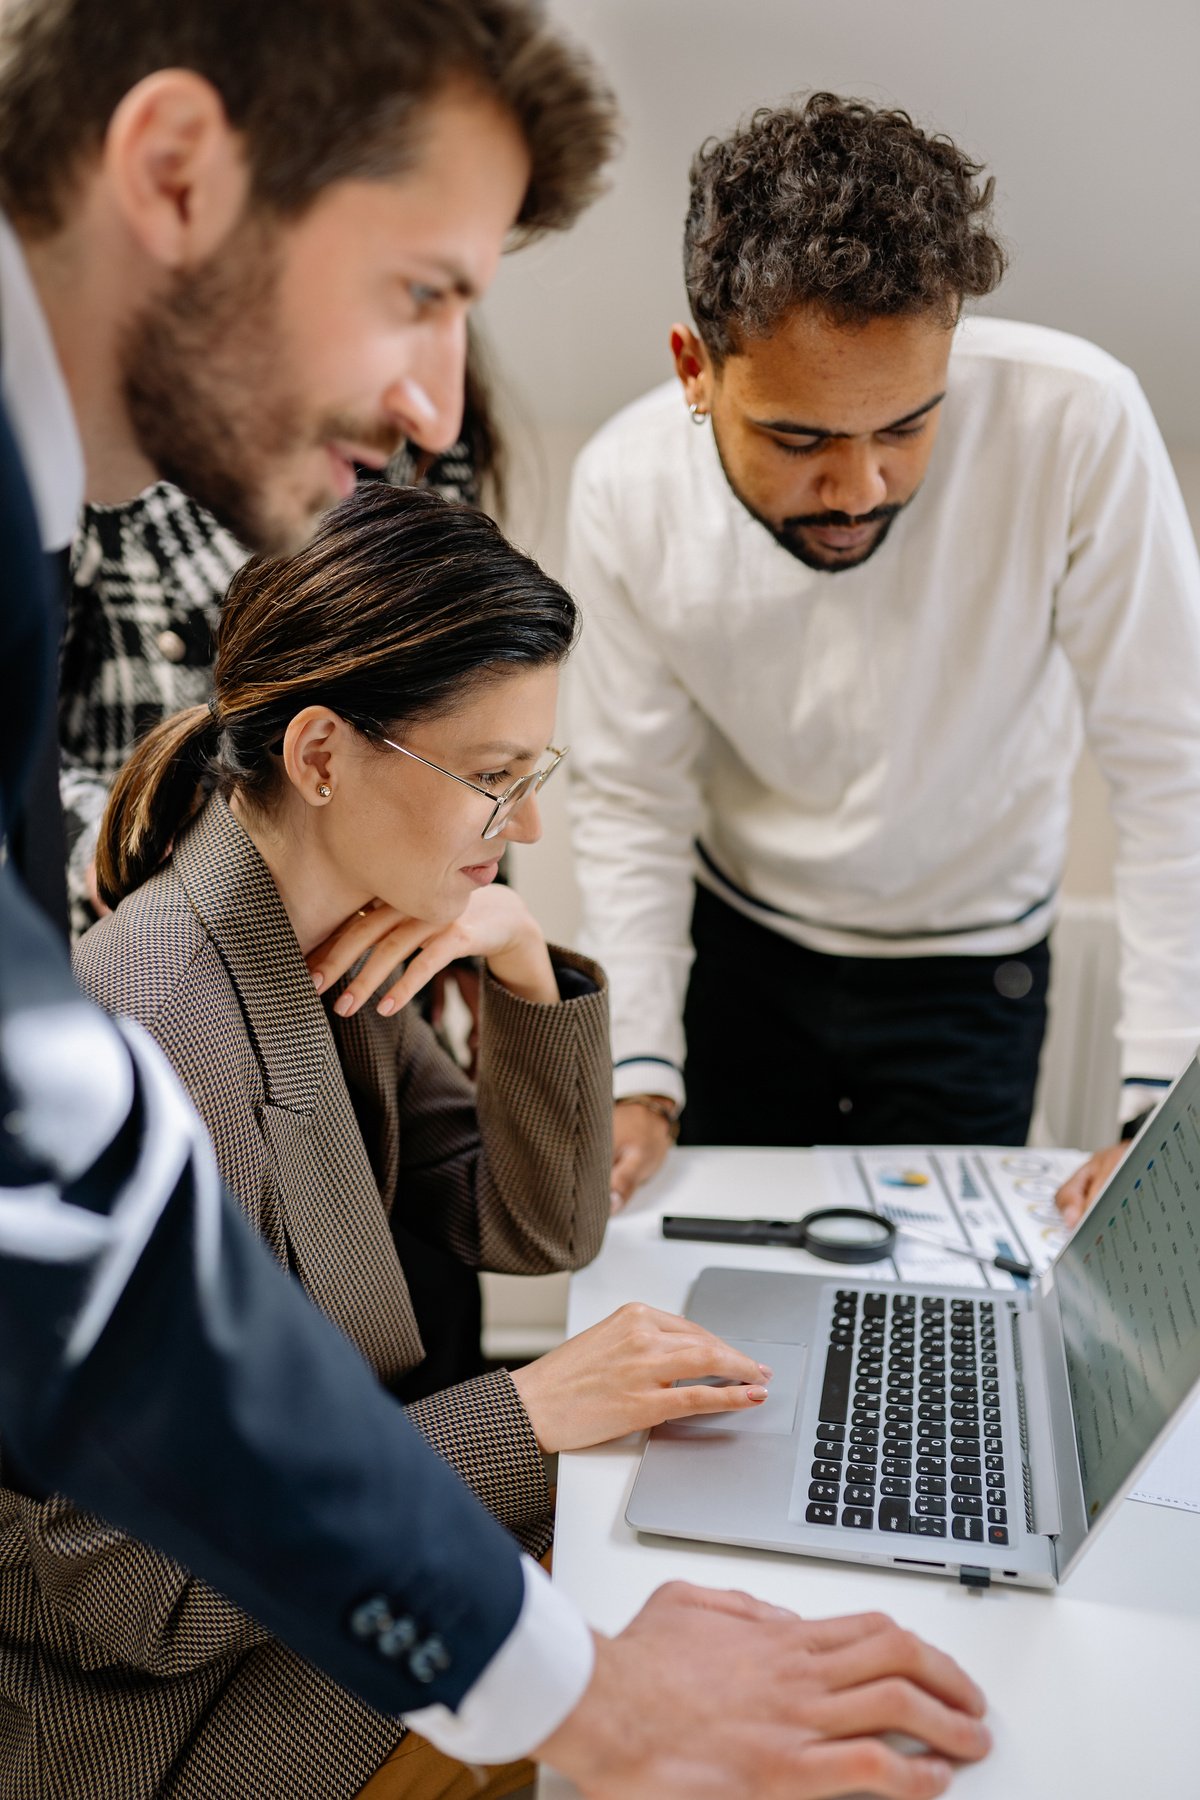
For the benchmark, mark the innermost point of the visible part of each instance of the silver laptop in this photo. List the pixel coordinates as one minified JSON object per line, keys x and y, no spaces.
{"x":971,"y":1432}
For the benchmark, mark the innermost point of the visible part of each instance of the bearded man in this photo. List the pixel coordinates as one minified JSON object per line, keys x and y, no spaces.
{"x":843,"y":629}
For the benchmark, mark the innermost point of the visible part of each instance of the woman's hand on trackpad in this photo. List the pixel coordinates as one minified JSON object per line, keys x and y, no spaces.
{"x":621,"y":1376}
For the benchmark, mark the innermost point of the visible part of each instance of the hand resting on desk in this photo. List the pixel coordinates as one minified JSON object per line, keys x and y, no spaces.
{"x":751,"y":1699}
{"x":641,"y":1139}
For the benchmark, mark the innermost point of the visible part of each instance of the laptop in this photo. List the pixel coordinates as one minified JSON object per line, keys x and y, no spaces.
{"x":980,"y":1433}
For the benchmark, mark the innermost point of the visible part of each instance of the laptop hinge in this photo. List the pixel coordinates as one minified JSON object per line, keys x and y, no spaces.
{"x":1042,"y":1512}
{"x":974,"y":1578}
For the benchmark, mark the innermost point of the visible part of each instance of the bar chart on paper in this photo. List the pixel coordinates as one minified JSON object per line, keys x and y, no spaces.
{"x":996,"y":1202}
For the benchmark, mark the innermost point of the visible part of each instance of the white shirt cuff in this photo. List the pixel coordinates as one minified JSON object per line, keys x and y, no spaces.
{"x":652,"y":1076}
{"x":536,"y":1678}
{"x":1140,"y":1097}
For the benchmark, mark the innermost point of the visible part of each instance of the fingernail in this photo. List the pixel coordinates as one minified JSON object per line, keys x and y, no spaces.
{"x":756,"y":1395}
{"x":344,"y":1005}
{"x":318,"y":980}
{"x":386,"y":1006}
{"x":615,"y":1201}
{"x":765,"y":1372}
{"x":940,"y":1772}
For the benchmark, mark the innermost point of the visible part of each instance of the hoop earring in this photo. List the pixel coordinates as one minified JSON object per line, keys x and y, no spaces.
{"x":325,"y":792}
{"x":699,"y":414}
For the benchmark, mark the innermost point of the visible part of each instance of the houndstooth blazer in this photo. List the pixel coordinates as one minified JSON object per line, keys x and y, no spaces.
{"x":121,"y":1677}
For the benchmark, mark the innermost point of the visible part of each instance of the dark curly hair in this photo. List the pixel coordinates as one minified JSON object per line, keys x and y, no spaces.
{"x":838,"y":204}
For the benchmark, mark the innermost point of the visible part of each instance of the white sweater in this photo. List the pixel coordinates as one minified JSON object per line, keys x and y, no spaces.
{"x":878,"y":762}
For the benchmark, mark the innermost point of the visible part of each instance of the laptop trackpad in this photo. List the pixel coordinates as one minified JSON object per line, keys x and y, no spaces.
{"x":777,"y":1412}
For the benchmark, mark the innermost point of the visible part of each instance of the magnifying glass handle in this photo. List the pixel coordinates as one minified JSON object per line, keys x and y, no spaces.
{"x":731,"y":1231}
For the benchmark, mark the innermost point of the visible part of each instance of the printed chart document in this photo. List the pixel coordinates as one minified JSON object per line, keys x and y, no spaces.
{"x":999,"y":1202}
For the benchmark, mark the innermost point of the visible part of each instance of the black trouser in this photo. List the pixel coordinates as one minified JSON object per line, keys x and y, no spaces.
{"x":788,"y":1046}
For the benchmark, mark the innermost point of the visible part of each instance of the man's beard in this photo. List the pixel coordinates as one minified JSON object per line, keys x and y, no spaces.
{"x":213,"y":409}
{"x":787,"y":533}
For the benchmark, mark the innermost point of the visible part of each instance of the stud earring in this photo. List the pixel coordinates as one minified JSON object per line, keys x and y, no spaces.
{"x":324,"y":791}
{"x":699,"y":414}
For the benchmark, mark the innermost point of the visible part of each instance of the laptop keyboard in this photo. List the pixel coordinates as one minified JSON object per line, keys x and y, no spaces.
{"x":909,"y":1438}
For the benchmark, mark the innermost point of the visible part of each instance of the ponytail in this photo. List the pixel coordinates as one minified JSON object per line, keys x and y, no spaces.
{"x":155,"y":795}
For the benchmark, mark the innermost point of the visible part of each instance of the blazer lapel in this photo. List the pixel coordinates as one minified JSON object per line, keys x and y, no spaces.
{"x":367,"y":1057}
{"x":339,"y":1235}
{"x":334,"y":1216}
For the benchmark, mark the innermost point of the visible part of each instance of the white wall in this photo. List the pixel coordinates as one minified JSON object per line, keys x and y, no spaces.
{"x":1087,"y":117}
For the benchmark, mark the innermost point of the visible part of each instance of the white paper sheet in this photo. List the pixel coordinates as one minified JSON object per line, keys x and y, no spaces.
{"x":1173,"y":1478}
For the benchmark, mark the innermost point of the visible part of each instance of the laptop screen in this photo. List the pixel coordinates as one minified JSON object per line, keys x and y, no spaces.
{"x":1129,"y":1289}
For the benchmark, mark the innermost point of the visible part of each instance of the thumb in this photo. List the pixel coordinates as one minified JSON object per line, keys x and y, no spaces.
{"x":625,"y":1176}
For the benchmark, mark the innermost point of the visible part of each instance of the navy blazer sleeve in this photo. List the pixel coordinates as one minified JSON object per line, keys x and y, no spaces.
{"x":155,"y":1363}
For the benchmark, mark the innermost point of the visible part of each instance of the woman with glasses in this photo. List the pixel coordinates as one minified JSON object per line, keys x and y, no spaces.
{"x":381,"y":721}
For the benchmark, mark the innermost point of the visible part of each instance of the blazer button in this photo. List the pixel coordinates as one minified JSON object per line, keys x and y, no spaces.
{"x":428,"y":1660}
{"x":371,"y":1618}
{"x":171,"y":645}
{"x":400,"y":1635}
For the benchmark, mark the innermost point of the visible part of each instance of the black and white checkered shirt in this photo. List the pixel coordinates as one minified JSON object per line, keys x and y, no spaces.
{"x":147,"y":581}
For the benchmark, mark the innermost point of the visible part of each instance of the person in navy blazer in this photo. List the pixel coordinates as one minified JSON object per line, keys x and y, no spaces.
{"x":237,"y":247}
{"x":151,"y":1359}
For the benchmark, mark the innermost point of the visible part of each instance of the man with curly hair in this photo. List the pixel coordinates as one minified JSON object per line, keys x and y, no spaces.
{"x":843,"y":630}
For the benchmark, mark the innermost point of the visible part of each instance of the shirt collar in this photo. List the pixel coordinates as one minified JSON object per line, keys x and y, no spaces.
{"x":35,"y":395}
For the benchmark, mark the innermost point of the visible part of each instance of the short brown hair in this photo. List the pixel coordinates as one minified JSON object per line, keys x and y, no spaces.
{"x":400,"y":605}
{"x":838,"y":204}
{"x":323,"y":90}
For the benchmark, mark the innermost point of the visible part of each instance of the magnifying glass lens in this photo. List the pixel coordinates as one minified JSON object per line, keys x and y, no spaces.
{"x":846,"y":1234}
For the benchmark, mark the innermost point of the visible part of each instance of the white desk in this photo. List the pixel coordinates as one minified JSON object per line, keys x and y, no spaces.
{"x":1093,"y":1688}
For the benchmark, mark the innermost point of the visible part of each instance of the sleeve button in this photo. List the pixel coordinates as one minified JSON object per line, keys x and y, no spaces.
{"x":398,"y":1636}
{"x":371,"y":1618}
{"x":428,"y":1659}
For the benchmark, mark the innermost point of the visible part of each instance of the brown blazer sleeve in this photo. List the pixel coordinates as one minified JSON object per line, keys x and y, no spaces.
{"x":513,"y":1175}
{"x":117,"y":1598}
{"x":482,"y":1430}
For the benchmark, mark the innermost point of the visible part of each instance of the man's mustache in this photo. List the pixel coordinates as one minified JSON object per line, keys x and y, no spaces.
{"x":843,"y":521}
{"x":380,"y":437}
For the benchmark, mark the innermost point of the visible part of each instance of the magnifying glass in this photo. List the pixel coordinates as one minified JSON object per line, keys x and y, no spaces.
{"x":841,"y":1234}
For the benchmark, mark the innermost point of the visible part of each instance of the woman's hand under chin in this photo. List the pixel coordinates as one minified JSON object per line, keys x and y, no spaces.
{"x":495,"y":924}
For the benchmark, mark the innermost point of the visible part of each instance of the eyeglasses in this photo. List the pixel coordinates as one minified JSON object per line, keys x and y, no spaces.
{"x":503,"y":805}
